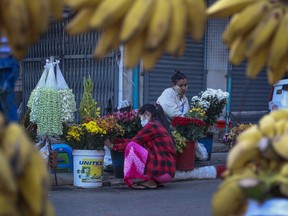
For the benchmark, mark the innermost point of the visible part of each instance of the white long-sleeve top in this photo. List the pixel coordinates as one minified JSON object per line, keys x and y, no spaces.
{"x":172,"y":104}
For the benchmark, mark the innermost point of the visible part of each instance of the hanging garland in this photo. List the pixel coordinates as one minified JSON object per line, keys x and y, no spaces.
{"x":51,"y":102}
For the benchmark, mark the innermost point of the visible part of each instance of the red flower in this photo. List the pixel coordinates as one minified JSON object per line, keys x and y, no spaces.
{"x":190,"y":128}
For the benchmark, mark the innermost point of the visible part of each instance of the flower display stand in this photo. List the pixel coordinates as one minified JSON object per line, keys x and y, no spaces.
{"x":118,"y":163}
{"x":207,"y":142}
{"x":88,"y":168}
{"x":186,"y":160}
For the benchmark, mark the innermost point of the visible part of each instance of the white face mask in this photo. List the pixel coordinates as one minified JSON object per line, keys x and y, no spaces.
{"x":144,"y":121}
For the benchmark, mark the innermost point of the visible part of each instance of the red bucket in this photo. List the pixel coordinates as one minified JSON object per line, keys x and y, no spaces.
{"x":186,"y":160}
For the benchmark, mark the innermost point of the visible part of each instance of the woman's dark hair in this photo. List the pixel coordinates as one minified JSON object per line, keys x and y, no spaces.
{"x":157,"y":114}
{"x":177,"y":76}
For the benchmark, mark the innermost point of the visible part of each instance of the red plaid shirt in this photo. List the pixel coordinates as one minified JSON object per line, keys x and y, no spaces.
{"x":161,"y":152}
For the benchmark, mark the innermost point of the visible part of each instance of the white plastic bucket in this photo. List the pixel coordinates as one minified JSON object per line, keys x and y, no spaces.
{"x":88,"y":168}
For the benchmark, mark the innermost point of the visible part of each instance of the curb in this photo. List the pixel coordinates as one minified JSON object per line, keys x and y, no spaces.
{"x":205,"y":172}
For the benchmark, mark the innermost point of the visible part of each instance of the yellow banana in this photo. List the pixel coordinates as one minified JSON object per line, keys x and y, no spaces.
{"x":80,"y":23}
{"x":25,"y":209}
{"x":279,"y":44}
{"x":241,"y":154}
{"x":7,"y":177}
{"x":264,"y":31}
{"x":108,"y":12}
{"x":16,"y":146}
{"x":242,"y":22}
{"x":49,"y":209}
{"x":108,"y":41}
{"x":280,"y":126}
{"x":285,"y":128}
{"x":15,"y":22}
{"x":280,"y":146}
{"x":57,"y":7}
{"x":177,"y":29}
{"x":133,"y":50}
{"x":34,"y":9}
{"x":268,"y":154}
{"x":197,"y":17}
{"x":8,"y":204}
{"x":34,"y":183}
{"x":237,"y":50}
{"x":267,"y":126}
{"x":251,"y":134}
{"x":77,"y":4}
{"x":284,"y":170}
{"x":257,"y":61}
{"x":279,"y":72}
{"x":136,"y":19}
{"x":182,"y":47}
{"x":151,"y":57}
{"x":228,"y":199}
{"x":224,"y":8}
{"x":2,"y":126}
{"x":284,"y":189}
{"x":279,"y":114}
{"x":159,"y":24}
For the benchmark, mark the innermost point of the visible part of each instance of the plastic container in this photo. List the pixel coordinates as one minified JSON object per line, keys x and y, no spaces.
{"x":118,"y":163}
{"x":207,"y":142}
{"x":88,"y":168}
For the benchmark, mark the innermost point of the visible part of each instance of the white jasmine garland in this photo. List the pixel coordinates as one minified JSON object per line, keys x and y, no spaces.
{"x":68,"y":105}
{"x":33,"y":104}
{"x":48,"y":112}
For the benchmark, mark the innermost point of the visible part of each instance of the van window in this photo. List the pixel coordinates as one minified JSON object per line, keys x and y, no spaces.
{"x":285,"y":87}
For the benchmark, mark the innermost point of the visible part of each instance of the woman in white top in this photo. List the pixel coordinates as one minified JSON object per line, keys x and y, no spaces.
{"x":173,"y":99}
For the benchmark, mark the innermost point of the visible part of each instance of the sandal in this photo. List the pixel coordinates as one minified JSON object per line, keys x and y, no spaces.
{"x":144,"y":185}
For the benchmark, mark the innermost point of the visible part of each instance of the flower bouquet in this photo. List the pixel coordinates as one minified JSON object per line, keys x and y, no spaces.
{"x":130,"y":122}
{"x":212,"y":102}
{"x":90,"y":134}
{"x":231,"y":138}
{"x":186,"y":129}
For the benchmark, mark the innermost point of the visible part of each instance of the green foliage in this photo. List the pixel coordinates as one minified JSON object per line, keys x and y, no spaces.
{"x":180,"y":141}
{"x":88,"y":106}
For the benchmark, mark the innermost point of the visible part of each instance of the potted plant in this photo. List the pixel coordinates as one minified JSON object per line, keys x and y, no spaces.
{"x":131,"y":124}
{"x":231,"y":138}
{"x":211,"y":102}
{"x":87,"y":140}
{"x":187,"y":132}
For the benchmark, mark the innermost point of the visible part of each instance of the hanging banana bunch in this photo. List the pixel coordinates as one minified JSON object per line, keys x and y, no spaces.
{"x":257,"y":166}
{"x":24,"y":177}
{"x":146,"y":28}
{"x":258,"y":32}
{"x":23,"y":21}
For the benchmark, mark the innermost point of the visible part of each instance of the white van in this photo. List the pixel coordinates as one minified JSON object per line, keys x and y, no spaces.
{"x":279,"y":95}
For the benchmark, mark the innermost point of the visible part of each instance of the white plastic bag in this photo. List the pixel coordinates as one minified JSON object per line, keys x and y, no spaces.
{"x":51,"y":82}
{"x":61,"y":83}
{"x":44,"y":151}
{"x":201,"y":152}
{"x":42,"y":80}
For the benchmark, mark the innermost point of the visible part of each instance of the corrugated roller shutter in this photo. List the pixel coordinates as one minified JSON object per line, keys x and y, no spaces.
{"x":76,"y":63}
{"x":248,"y":96}
{"x":191,"y":64}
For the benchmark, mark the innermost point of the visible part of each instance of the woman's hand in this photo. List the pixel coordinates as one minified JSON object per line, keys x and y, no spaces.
{"x":108,"y":143}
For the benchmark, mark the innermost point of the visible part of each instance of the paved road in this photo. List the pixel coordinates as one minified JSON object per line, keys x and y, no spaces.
{"x":178,"y":198}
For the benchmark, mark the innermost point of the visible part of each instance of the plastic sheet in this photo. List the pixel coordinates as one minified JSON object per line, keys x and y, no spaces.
{"x":271,"y":207}
{"x":201,"y":152}
{"x":206,"y":172}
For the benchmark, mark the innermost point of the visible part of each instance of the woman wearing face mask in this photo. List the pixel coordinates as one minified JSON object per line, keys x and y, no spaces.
{"x":173,"y":99}
{"x":150,"y":155}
